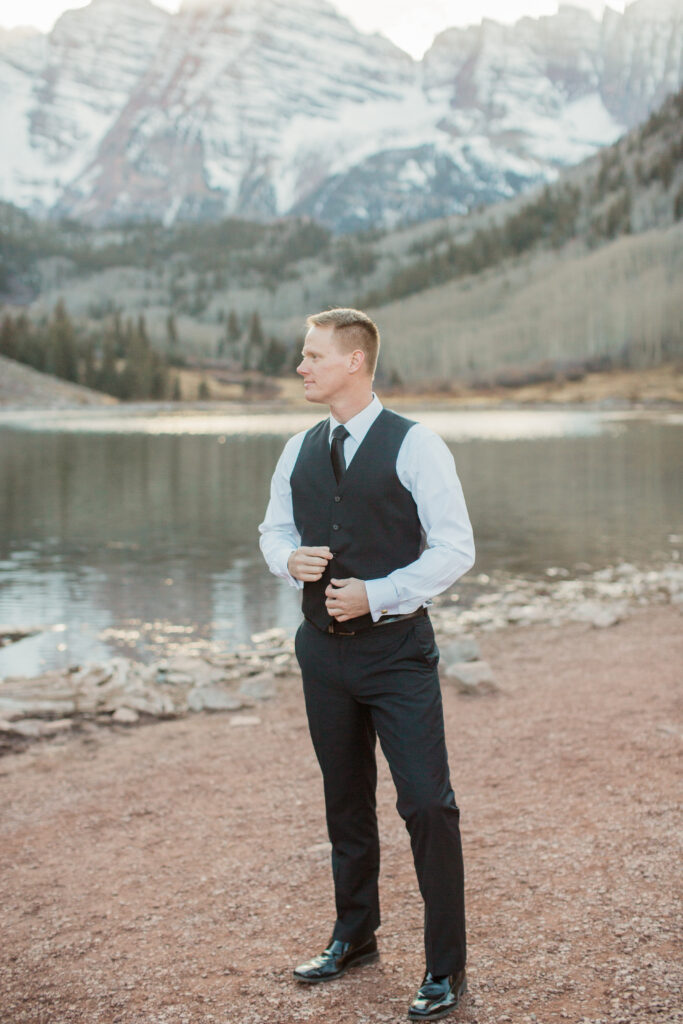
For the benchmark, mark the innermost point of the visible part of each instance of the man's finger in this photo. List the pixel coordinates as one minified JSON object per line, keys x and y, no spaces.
{"x":341,"y":583}
{"x":322,"y":552}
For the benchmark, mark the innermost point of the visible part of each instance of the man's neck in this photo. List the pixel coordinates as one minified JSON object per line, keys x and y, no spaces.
{"x":346,"y":408}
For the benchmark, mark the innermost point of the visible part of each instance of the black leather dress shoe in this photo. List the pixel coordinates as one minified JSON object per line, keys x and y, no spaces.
{"x":438,"y":996}
{"x":336,"y":960}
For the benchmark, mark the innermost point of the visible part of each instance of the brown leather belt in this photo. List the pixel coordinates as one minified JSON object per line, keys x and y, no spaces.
{"x":337,"y":628}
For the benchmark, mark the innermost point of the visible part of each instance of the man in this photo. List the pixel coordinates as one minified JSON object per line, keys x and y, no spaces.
{"x":367,"y":517}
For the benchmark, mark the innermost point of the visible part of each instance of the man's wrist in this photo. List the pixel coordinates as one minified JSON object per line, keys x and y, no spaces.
{"x":288,"y":574}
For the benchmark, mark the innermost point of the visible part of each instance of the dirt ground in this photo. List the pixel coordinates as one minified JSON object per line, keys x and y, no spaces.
{"x":176,"y":872}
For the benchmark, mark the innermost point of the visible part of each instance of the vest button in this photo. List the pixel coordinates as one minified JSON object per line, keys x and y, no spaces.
{"x":337,"y":498}
{"x":335,"y":526}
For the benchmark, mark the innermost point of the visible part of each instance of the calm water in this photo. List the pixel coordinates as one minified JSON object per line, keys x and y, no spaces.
{"x":121,"y":530}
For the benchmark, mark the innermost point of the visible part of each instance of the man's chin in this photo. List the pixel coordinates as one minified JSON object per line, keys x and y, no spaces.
{"x":311,"y":396}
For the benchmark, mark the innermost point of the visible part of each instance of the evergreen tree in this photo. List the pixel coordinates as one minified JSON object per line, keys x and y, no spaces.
{"x":8,"y":337}
{"x":253,"y":352}
{"x":172,"y":334}
{"x":136,"y":379}
{"x":229,"y":343}
{"x":107,"y":375}
{"x":63,"y":344}
{"x":159,"y":377}
{"x":142,"y":329}
{"x":89,"y":376}
{"x":234,"y":331}
{"x":31,"y":347}
{"x":120,"y":331}
{"x":274,"y":357}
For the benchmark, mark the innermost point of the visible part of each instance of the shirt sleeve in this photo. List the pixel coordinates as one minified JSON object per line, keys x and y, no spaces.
{"x":278,"y":533}
{"x":425,"y":466}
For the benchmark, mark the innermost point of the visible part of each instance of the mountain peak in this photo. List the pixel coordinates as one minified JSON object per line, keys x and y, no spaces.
{"x":263,"y":108}
{"x":658,"y":9}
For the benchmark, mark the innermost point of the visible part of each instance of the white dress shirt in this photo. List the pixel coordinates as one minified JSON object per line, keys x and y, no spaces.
{"x":426,"y":468}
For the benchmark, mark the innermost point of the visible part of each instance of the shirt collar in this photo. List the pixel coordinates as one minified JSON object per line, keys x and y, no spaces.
{"x":359,"y":424}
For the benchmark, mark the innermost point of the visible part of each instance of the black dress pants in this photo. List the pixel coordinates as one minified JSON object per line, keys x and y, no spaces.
{"x":384,"y":682}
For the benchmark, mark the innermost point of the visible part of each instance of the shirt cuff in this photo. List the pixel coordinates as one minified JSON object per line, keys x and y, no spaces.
{"x":382,"y":597}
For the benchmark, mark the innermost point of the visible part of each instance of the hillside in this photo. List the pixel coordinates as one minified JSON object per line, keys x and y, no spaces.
{"x":544,"y":315}
{"x":604,"y":241}
{"x":24,"y":388}
{"x":584,"y":275}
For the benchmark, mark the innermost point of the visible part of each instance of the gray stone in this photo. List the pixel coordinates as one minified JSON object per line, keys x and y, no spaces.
{"x":176,"y":679}
{"x":269,"y":636}
{"x":31,"y":728}
{"x":213,"y":698}
{"x":58,"y":725}
{"x":470,"y":677}
{"x":188,"y":670}
{"x":52,"y":693}
{"x":127,"y":716}
{"x":465,"y":648}
{"x":606,"y":617}
{"x":525,"y":613}
{"x":10,"y":634}
{"x":260,"y":687}
{"x":598,"y":614}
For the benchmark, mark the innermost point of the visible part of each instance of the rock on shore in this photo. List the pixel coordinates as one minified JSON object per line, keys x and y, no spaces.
{"x":122,"y":690}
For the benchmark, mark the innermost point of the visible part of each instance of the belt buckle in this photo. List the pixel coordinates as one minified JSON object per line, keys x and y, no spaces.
{"x":340,"y":632}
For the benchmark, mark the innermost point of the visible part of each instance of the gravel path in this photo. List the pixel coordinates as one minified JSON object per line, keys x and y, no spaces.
{"x":176,"y":872}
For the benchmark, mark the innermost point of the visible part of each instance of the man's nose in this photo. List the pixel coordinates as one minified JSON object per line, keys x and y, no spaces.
{"x":300,"y":368}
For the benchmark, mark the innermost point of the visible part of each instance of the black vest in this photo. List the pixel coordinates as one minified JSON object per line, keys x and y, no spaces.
{"x":369,"y":520}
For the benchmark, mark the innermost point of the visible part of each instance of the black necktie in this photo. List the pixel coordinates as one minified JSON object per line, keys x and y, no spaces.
{"x":339,"y":435}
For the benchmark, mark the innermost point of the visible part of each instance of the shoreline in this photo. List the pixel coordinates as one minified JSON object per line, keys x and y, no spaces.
{"x":659,"y":388}
{"x":406,"y":403}
{"x":124,"y":692}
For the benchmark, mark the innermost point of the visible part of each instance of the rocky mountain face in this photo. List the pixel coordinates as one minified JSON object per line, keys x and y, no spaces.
{"x":262,"y":108}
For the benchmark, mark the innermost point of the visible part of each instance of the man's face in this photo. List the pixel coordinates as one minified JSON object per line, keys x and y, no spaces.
{"x":324,"y":366}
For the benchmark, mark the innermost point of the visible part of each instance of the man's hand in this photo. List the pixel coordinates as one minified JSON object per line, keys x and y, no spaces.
{"x":346,"y":599}
{"x":308,"y":564}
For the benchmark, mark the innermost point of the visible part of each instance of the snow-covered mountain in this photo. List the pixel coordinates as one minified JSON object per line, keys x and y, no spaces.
{"x":261,"y":108}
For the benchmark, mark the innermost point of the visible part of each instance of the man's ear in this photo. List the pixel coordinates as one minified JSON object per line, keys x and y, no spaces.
{"x":357,"y":360}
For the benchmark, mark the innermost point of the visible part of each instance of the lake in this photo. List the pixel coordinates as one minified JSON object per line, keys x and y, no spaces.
{"x":124,"y":530}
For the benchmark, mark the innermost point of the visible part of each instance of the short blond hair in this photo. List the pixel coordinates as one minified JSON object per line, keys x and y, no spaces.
{"x":354,"y":329}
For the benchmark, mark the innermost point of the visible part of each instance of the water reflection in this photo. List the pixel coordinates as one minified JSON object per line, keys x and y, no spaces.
{"x":124,"y":536}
